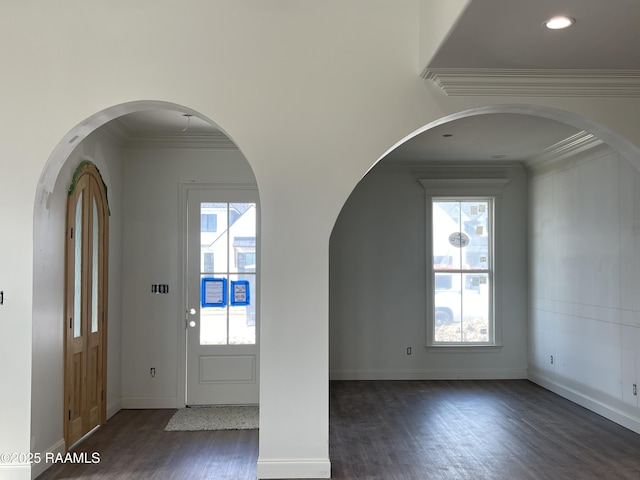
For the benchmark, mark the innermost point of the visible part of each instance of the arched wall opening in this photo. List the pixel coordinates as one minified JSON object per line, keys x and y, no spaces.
{"x":143,"y":189}
{"x":569,"y":265}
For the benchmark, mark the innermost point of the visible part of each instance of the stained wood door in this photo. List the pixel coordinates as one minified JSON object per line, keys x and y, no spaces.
{"x":85,"y":304}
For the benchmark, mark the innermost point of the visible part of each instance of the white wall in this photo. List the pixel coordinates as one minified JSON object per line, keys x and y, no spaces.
{"x":313,"y":93}
{"x":585,"y":278}
{"x":153,"y":254}
{"x":47,"y":434}
{"x":377,"y":281}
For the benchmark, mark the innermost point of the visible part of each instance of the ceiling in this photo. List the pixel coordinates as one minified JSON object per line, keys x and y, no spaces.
{"x":490,"y":36}
{"x":489,"y":137}
{"x":509,"y":34}
{"x":504,"y":41}
{"x":157,"y":123}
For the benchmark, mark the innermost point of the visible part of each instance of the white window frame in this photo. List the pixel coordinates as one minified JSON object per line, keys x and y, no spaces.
{"x":463,"y":190}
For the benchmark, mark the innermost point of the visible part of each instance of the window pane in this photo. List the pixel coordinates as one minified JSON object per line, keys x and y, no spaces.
{"x":207,"y":266}
{"x":77,"y":287}
{"x":475,"y":308}
{"x":462,"y":267}
{"x":94,"y":270}
{"x":461,"y":310}
{"x":446,"y":235}
{"x":448,"y":307}
{"x":209,"y":222}
{"x":476,"y":226}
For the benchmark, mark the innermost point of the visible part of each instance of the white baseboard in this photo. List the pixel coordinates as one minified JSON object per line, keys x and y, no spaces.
{"x":597,"y":406}
{"x":290,"y":468}
{"x":39,"y":468}
{"x":113,"y":408}
{"x":478,"y":374}
{"x":149,"y":402}
{"x":15,"y":471}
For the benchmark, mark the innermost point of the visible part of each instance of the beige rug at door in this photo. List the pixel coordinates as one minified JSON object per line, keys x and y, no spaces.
{"x":214,"y":418}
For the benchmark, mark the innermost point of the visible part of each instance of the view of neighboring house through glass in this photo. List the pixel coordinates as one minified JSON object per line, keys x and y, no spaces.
{"x":228,"y":255}
{"x":462,"y":270}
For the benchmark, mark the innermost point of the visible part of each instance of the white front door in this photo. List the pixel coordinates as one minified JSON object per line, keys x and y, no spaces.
{"x":221,"y":280}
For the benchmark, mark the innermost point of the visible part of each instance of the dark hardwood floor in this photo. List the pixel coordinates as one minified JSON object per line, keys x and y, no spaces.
{"x":389,"y":430}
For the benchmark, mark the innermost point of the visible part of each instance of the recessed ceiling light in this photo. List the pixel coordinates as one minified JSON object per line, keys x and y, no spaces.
{"x":559,"y":22}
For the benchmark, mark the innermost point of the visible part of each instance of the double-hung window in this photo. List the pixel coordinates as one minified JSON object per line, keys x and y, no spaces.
{"x":461,"y":262}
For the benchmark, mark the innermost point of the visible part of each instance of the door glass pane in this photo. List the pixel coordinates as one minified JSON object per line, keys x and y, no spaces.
{"x":228,"y":250}
{"x":77,"y":282}
{"x":213,"y":237}
{"x":213,"y":324}
{"x":242,"y":309}
{"x":242,"y":234}
{"x":94,"y":270}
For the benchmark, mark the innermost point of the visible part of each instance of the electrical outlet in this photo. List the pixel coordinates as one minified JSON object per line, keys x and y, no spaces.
{"x":408,"y":350}
{"x":635,"y":389}
{"x":551,"y":359}
{"x":152,"y":372}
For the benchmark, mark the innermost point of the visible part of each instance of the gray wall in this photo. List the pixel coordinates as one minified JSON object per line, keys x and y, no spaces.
{"x":378,"y":273}
{"x":152,"y":254}
{"x":585,"y":279}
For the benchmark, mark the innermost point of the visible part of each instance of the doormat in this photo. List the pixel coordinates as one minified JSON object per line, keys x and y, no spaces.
{"x":214,"y":418}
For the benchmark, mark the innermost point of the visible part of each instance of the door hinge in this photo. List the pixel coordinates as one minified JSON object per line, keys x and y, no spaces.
{"x":71,"y":323}
{"x":71,"y":232}
{"x":69,"y":414}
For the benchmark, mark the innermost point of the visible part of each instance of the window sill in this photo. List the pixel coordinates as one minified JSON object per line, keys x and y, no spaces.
{"x":463,"y":348}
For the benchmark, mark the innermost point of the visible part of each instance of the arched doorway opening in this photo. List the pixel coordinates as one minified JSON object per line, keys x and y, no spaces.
{"x":149,"y":154}
{"x":567,"y":241}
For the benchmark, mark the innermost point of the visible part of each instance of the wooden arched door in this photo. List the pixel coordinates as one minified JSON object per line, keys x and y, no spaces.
{"x":85,"y":322}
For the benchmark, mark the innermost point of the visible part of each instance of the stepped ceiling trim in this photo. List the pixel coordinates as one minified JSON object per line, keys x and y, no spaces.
{"x":535,"y":82}
{"x":580,"y":142}
{"x":126,"y":138}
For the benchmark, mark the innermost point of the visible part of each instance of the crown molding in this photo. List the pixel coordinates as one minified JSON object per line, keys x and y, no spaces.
{"x":119,"y":133}
{"x":535,"y":82}
{"x":580,"y":142}
{"x":446,"y":168}
{"x":124,"y":137}
{"x":216,"y":141}
{"x":567,"y":148}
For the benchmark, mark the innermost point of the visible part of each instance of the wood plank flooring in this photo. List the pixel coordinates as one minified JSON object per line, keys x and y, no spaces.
{"x":388,"y":430}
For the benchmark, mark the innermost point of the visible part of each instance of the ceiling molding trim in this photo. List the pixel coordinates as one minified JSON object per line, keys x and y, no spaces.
{"x":198,"y":142}
{"x":580,"y":142}
{"x":535,"y":82}
{"x":117,"y":131}
{"x":446,"y":167}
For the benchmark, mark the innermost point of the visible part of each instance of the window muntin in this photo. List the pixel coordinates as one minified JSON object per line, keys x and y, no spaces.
{"x":462,"y":271}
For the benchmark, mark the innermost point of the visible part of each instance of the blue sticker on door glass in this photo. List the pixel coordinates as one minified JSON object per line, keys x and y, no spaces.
{"x":240,"y":293}
{"x":213,"y":292}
